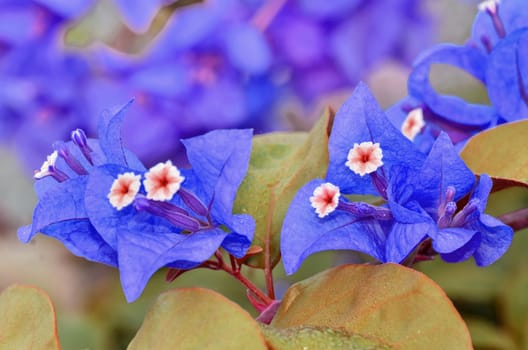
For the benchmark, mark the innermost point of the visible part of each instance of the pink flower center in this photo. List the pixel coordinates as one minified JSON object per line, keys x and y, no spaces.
{"x":124,"y":190}
{"x":364,"y":158}
{"x":413,"y":124}
{"x":162,"y":181}
{"x":325,"y":199}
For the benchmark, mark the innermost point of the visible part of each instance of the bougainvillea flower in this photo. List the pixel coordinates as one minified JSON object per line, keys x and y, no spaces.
{"x":419,"y":195}
{"x":363,"y":149}
{"x":100,"y":201}
{"x":176,"y":219}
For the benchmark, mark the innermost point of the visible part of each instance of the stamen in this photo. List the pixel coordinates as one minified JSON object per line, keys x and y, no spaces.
{"x":124,"y":189}
{"x":176,"y":216}
{"x":325,"y":199}
{"x":61,"y":148}
{"x":48,"y":169}
{"x":162,"y":181}
{"x":446,"y":218}
{"x":413,"y":124}
{"x":78,"y":137}
{"x":469,"y":213}
{"x":365,"y":158}
{"x":449,"y":197}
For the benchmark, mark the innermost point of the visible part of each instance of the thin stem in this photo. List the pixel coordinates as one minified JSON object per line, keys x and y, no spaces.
{"x":263,"y":297}
{"x":234,"y":265}
{"x":517,"y":219}
{"x":268,"y":270}
{"x":234,"y":271}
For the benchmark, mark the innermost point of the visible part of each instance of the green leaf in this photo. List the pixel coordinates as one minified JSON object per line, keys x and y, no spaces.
{"x":395,"y":304}
{"x":196,"y":318}
{"x":498,"y":152}
{"x":27,"y":319}
{"x":486,"y":335}
{"x":319,"y":338}
{"x":280,"y":164}
{"x":514,"y":303}
{"x":465,"y":281}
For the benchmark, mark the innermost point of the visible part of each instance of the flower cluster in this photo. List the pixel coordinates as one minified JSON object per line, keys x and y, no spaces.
{"x":100,"y":201}
{"x":420,"y":213}
{"x":494,"y":55}
{"x":217,"y":64}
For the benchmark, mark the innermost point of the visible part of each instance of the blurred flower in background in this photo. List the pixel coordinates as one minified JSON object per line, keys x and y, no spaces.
{"x":191,"y":67}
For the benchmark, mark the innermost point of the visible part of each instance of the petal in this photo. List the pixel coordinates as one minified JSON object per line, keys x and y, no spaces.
{"x":464,"y":252}
{"x":451,"y":108}
{"x":62,"y":202}
{"x":451,"y":239}
{"x":109,"y":130}
{"x":496,"y":239}
{"x":81,"y":238}
{"x":482,"y":191}
{"x":404,"y":238}
{"x":442,"y":168}
{"x":507,"y":76}
{"x":304,"y":233}
{"x":220,"y":160}
{"x":142,"y":253}
{"x":238,"y":241}
{"x":361,"y":119}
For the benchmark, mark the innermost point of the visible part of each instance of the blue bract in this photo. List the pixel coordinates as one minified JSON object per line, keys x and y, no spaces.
{"x":100,"y":201}
{"x":418,"y":198}
{"x":495,"y":55}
